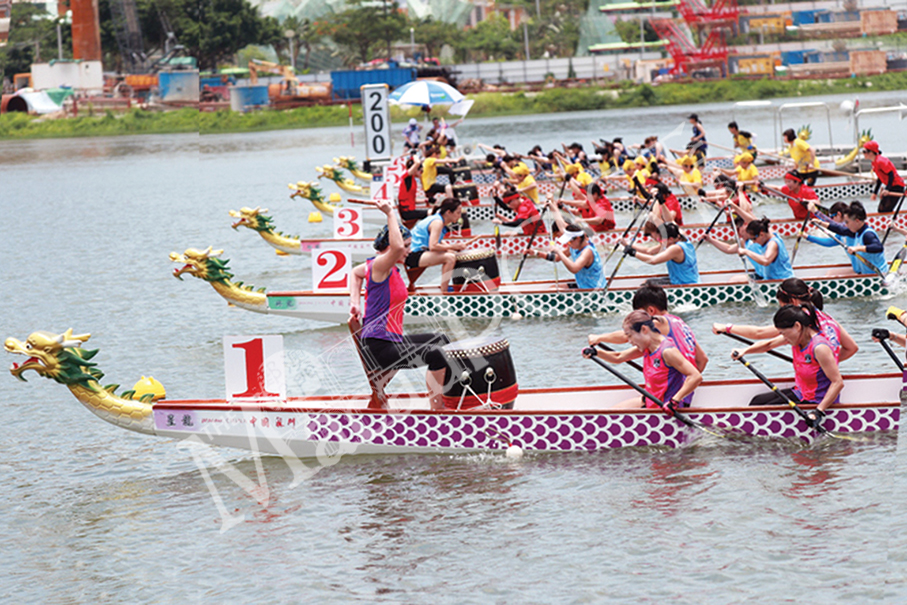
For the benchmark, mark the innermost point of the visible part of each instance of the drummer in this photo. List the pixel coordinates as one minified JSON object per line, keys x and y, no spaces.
{"x":653,"y":299}
{"x":817,"y":377}
{"x":428,"y":248}
{"x":679,"y":255}
{"x":384,"y":346}
{"x":669,"y":375}
{"x":581,"y":258}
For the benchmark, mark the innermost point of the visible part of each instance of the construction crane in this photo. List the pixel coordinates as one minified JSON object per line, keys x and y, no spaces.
{"x":128,"y":33}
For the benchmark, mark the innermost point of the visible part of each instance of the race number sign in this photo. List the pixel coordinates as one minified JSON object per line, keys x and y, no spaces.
{"x":377,"y":122}
{"x":347,"y":223}
{"x":331,"y":269}
{"x":253,"y":366}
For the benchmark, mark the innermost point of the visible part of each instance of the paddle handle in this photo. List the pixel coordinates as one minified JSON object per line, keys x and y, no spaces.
{"x":747,"y":341}
{"x":632,"y":364}
{"x":894,"y":217}
{"x":891,"y":354}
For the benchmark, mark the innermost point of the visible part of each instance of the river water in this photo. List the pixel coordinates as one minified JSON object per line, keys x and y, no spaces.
{"x":93,"y":513}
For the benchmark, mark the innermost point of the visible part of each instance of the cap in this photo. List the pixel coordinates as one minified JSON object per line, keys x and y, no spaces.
{"x":568,"y":236}
{"x":746,"y":156}
{"x":641,"y":160}
{"x":686,"y":161}
{"x":871,"y":146}
{"x":572,"y":168}
{"x":413,"y":121}
{"x":628,"y":165}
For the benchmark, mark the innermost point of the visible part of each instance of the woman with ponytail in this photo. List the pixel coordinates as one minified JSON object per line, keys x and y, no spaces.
{"x":816,"y":375}
{"x":767,"y":249}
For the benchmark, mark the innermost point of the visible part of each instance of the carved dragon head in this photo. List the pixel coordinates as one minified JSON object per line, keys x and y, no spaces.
{"x":55,"y":356}
{"x":329,"y":172}
{"x":865,"y":137}
{"x":348,"y":162}
{"x":202,"y":264}
{"x":252,"y":218}
{"x":805,"y":132}
{"x":309,"y":191}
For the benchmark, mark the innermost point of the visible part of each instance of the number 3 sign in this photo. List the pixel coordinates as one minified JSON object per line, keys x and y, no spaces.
{"x":347,"y":223}
{"x":254,"y":367}
{"x":330,"y":269}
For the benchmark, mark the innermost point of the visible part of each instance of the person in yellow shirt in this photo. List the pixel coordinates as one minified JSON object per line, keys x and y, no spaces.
{"x":430,"y":175}
{"x":804,"y":155}
{"x":687,"y":175}
{"x":524,"y":182}
{"x":743,"y":140}
{"x":745,"y":171}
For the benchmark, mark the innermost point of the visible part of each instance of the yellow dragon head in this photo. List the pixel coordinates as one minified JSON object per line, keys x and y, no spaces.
{"x":865,"y":137}
{"x":805,"y":132}
{"x":202,"y":264}
{"x":329,"y":172}
{"x":347,"y":162}
{"x":309,"y":191}
{"x":252,"y":218}
{"x":55,"y":356}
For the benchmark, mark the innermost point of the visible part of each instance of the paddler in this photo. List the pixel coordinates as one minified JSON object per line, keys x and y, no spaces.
{"x":581,"y":258}
{"x":803,"y":155}
{"x":653,"y":299}
{"x":745,"y":171}
{"x":698,"y":146}
{"x":688,"y":175}
{"x":669,"y":375}
{"x":743,"y":140}
{"x":888,"y":181}
{"x":666,"y":208}
{"x":859,"y":237}
{"x":522,"y":179}
{"x":428,"y":247}
{"x":406,"y":196}
{"x":594,"y":208}
{"x":764,"y":248}
{"x":816,"y":375}
{"x":795,"y":291}
{"x":679,"y":256}
{"x":794,"y":187}
{"x":384,"y":346}
{"x":431,"y":166}
{"x":527,"y":215}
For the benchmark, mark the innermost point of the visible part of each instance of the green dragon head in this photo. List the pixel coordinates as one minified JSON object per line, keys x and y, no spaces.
{"x":865,"y":137}
{"x":202,"y":264}
{"x":348,"y":162}
{"x":805,"y":132}
{"x":309,"y":191}
{"x":56,"y":356}
{"x":329,"y":172}
{"x":252,"y":219}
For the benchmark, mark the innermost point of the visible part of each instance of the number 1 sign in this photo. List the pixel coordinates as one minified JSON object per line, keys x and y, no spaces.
{"x":254,"y":367}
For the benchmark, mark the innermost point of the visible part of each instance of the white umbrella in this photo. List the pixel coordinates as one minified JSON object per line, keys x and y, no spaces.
{"x":426,"y":93}
{"x":461,"y":108}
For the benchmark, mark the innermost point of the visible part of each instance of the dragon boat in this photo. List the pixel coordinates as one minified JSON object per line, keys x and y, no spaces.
{"x":541,"y":420}
{"x":361,"y":248}
{"x":332,"y":173}
{"x":545,"y":298}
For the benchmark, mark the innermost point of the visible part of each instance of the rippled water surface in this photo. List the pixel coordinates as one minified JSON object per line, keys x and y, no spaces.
{"x":92,"y":513}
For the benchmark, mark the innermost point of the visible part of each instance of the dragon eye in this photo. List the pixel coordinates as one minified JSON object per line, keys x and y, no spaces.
{"x":28,"y":346}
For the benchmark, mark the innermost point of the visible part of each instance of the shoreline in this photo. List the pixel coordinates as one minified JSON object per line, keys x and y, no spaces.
{"x":19,"y":126}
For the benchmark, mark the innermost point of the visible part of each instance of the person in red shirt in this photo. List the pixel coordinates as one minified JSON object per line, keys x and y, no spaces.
{"x":406,"y":196}
{"x":889,"y":181}
{"x":667,"y":207}
{"x":794,"y":187}
{"x":527,"y":215}
{"x":595,"y":210}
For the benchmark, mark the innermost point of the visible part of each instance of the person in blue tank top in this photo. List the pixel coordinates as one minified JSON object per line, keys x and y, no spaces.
{"x":863,"y":243}
{"x":581,"y":257}
{"x":428,"y":249}
{"x":679,"y":256}
{"x":767,"y":250}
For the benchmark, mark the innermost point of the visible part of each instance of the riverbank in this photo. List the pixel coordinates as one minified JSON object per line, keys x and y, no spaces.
{"x":487,"y":104}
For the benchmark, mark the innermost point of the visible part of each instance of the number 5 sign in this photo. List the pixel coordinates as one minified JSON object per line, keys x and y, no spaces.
{"x":254,"y":367}
{"x":347,"y":223}
{"x":331,"y":269}
{"x":377,"y":122}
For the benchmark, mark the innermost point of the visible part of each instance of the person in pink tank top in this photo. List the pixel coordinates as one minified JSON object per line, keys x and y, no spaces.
{"x":383,"y":344}
{"x":816,"y":375}
{"x":669,"y":375}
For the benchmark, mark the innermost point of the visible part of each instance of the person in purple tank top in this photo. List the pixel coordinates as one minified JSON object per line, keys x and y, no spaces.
{"x":384,"y":345}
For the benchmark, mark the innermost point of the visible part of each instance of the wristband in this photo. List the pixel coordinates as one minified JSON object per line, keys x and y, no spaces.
{"x":727,"y":329}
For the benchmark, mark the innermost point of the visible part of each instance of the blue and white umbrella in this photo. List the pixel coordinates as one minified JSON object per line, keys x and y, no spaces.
{"x":426,"y":93}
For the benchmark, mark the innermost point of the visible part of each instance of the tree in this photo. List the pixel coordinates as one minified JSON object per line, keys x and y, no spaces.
{"x":492,"y":38}
{"x":31,"y":39}
{"x":434,"y":34}
{"x":362,"y":26}
{"x":224,"y":26}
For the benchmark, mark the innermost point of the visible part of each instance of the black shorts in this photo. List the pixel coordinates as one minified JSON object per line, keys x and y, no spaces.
{"x":891,"y":198}
{"x":434,"y":190}
{"x":412,"y":260}
{"x":774,"y":398}
{"x":415,"y":351}
{"x":413,"y":215}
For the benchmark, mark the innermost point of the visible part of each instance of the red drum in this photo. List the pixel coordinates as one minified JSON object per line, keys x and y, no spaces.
{"x":476,"y":271}
{"x":480,"y":374}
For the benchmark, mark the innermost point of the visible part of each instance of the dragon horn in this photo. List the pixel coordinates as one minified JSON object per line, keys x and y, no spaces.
{"x":67,"y":340}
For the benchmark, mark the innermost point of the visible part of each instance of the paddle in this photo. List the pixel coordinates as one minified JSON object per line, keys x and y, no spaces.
{"x":750,"y":278}
{"x":809,"y":421}
{"x":781,"y":195}
{"x":681,"y":417}
{"x":640,"y":212}
{"x":882,"y":335}
{"x":826,"y":171}
{"x":635,"y":235}
{"x":793,"y":254}
{"x":632,"y":364}
{"x":895,"y":265}
{"x":857,"y":254}
{"x":535,"y":231}
{"x":747,"y":341}
{"x":894,"y":217}
{"x":711,"y":225}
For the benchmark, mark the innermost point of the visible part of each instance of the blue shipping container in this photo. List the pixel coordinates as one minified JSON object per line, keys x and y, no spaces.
{"x":792,"y":57}
{"x":803,"y":17}
{"x":345,"y":84}
{"x":243,"y":98}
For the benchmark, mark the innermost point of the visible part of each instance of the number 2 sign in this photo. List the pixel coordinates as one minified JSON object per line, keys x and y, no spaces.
{"x":347,"y":223}
{"x":331,"y":269}
{"x":254,"y":367}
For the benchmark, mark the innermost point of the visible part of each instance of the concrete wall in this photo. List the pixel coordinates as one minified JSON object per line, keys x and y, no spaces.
{"x":79,"y":75}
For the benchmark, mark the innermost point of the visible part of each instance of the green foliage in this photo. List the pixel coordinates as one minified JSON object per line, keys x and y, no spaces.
{"x":32,"y":38}
{"x":366,"y":27}
{"x":628,"y":30}
{"x":21,"y":126}
{"x":432,"y":35}
{"x":492,"y":39}
{"x":225,"y":26}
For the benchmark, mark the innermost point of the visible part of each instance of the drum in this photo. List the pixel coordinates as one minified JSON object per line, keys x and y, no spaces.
{"x":476,"y":271}
{"x":480,"y":374}
{"x":467,"y":194}
{"x":461,"y":174}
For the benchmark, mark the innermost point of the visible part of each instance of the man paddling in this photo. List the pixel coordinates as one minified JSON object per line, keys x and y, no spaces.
{"x":653,"y":299}
{"x":794,"y":187}
{"x":803,"y":155}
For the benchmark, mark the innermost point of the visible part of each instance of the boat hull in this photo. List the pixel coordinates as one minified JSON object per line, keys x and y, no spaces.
{"x":340,"y":425}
